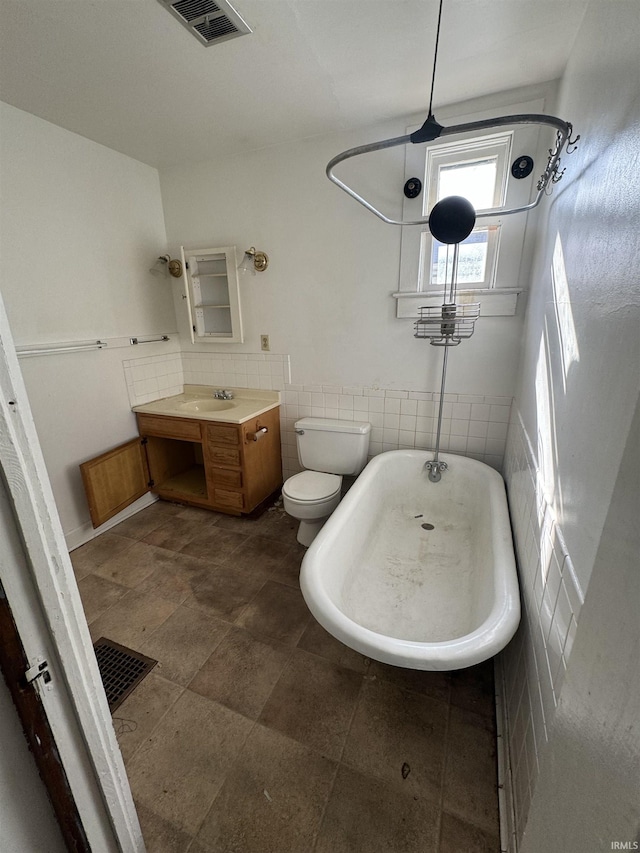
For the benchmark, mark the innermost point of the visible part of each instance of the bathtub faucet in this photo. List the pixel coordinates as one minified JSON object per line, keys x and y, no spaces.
{"x":435,"y":469}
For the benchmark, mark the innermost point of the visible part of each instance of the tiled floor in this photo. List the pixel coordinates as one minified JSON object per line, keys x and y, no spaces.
{"x":258,"y":732}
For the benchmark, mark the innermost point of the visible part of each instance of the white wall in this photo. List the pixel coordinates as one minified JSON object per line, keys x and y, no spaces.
{"x":325,"y":299}
{"x":80,"y":226}
{"x":578,"y":389}
{"x":592,"y":763}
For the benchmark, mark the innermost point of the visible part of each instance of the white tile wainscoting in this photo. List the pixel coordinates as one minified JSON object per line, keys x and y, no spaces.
{"x":151,"y":377}
{"x":533,"y":665}
{"x":268,"y":371}
{"x":472,"y":425}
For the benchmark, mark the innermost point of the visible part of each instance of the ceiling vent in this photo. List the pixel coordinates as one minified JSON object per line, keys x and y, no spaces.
{"x":210,"y":22}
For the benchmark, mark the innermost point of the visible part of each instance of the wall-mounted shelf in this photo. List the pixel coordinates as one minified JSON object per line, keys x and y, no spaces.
{"x":213,"y":294}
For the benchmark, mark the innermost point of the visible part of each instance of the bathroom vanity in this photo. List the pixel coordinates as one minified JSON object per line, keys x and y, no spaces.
{"x":221,"y":455}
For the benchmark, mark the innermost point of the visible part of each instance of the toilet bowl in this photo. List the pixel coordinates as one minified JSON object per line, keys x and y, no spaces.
{"x":311,"y":497}
{"x":327,"y":448}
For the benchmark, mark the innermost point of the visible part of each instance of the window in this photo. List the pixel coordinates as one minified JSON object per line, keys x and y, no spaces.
{"x":489,"y":260}
{"x":477,"y":171}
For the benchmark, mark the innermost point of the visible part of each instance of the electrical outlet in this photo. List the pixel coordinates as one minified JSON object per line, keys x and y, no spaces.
{"x":264,"y":343}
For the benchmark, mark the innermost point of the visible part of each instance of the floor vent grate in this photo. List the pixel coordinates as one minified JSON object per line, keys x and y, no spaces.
{"x":121,"y":670}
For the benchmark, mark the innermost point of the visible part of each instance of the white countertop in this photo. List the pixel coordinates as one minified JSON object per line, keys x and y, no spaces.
{"x":197,"y":401}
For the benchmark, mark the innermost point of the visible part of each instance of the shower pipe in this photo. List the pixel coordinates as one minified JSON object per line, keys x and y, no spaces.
{"x":435,"y":467}
{"x":550,"y":175}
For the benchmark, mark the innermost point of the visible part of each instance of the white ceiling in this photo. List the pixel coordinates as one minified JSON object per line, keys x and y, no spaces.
{"x":126,"y":74}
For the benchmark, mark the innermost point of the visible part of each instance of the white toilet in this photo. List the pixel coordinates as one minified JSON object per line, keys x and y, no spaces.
{"x":327,"y":448}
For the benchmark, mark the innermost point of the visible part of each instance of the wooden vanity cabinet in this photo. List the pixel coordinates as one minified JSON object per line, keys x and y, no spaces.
{"x":243,"y":464}
{"x":226,"y":467}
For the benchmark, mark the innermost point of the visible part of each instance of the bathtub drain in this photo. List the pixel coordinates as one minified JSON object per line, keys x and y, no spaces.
{"x":427,"y":526}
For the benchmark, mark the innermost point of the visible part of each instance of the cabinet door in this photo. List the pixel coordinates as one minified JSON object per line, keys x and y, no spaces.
{"x":115,"y":479}
{"x":213,"y":294}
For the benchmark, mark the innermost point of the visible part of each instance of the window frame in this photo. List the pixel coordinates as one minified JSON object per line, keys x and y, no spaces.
{"x":505,"y":283}
{"x":494,"y":146}
{"x":458,"y":153}
{"x":425,"y":266}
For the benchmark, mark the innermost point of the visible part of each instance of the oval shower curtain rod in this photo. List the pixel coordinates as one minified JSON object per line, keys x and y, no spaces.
{"x":432,"y":130}
{"x":551,"y":174}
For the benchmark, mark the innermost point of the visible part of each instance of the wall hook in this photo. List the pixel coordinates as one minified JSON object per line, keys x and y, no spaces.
{"x":557,"y":173}
{"x":572,"y":144}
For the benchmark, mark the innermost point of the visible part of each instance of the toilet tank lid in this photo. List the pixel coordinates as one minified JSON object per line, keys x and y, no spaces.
{"x":333,"y":425}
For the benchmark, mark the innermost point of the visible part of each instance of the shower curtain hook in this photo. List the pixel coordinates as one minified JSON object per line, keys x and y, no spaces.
{"x":572,"y":144}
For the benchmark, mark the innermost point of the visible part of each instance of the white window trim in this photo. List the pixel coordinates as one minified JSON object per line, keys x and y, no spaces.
{"x":494,"y":302}
{"x":458,"y":152}
{"x":501,"y":298}
{"x":479,"y":148}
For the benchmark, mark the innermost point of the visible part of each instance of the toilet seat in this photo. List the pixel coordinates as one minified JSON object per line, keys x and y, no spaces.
{"x":312,"y":487}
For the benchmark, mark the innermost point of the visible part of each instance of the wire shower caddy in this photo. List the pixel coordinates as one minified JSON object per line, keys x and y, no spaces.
{"x":448,"y":324}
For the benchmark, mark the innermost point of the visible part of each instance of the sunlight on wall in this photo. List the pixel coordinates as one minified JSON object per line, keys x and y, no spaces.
{"x":546,"y":431}
{"x":546,"y":481}
{"x":569,"y":352}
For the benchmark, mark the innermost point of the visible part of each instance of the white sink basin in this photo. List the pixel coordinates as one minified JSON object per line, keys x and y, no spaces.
{"x":206,"y":405}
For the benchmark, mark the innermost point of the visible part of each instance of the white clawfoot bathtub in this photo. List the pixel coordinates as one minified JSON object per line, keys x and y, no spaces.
{"x":440,"y":597}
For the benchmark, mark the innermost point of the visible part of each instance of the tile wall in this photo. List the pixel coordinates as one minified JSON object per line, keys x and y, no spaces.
{"x":268,"y":371}
{"x":472,"y":425}
{"x":152,"y":377}
{"x":535,"y":662}
{"x":158,"y":376}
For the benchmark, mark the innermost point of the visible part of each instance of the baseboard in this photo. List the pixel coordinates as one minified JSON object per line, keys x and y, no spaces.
{"x":85,"y":533}
{"x":508,"y":839}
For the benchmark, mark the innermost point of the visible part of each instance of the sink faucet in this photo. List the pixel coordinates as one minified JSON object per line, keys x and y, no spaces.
{"x":221,"y":394}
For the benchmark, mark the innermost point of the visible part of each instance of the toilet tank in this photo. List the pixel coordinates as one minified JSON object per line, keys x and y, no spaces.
{"x":331,"y":445}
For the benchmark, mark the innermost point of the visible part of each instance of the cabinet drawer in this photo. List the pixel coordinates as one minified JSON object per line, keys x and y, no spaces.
{"x":186,"y":430}
{"x":226,"y":477}
{"x":223,"y":455}
{"x":226,"y":497}
{"x":219,"y":434}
